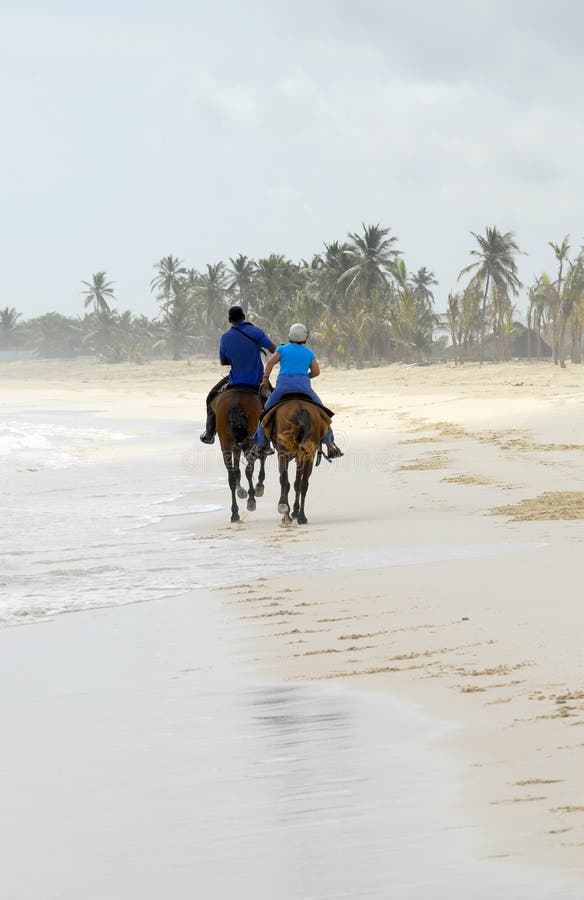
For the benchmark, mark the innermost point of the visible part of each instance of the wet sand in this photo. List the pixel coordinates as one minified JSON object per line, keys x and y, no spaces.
{"x":137,"y":762}
{"x":410,"y":580}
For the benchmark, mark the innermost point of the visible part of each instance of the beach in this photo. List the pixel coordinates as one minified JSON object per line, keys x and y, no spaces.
{"x":438,"y":574}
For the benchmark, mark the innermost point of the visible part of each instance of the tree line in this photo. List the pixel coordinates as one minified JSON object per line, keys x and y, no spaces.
{"x":358,"y":298}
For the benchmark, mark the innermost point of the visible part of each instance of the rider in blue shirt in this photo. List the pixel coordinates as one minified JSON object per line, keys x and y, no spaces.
{"x":240,"y":348}
{"x":298,"y":365}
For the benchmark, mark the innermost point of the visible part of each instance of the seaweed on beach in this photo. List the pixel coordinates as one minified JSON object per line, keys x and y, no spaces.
{"x":550,"y":505}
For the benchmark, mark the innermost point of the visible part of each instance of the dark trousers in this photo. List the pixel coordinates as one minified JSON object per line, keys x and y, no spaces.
{"x":214,"y":391}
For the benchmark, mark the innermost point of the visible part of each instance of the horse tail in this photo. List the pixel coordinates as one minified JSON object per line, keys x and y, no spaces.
{"x":238,"y":423}
{"x":303,"y":426}
{"x":304,"y":437}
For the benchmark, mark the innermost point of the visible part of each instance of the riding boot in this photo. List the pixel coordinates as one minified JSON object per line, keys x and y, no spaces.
{"x":333,"y":452}
{"x":208,"y":436}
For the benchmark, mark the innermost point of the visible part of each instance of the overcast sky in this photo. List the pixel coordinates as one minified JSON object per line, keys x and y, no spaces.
{"x":137,"y":128}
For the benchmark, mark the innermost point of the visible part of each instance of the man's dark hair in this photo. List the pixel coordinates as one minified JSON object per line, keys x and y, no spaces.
{"x":236,"y":314}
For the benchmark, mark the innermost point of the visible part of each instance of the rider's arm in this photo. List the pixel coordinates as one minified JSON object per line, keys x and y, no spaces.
{"x":314,"y":368}
{"x":270,"y":365}
{"x":223,"y":352}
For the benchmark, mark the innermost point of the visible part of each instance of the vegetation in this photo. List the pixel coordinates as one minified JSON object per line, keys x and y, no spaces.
{"x":358,"y":298}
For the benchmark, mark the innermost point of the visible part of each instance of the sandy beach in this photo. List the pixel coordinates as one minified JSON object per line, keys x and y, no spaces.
{"x":440,"y":565}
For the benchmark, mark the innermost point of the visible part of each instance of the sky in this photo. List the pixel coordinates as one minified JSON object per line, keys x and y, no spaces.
{"x":138,"y":128}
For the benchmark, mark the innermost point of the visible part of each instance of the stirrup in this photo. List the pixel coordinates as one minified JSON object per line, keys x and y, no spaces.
{"x":333,"y":452}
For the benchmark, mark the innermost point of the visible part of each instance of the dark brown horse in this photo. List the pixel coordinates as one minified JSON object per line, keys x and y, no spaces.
{"x":238,"y":412}
{"x":297,"y":428}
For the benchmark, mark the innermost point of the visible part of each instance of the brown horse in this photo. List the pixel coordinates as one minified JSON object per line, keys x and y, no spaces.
{"x":238,"y":411}
{"x":297,"y":428}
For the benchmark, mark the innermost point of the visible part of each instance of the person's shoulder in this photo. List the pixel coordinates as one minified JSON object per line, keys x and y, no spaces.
{"x":281,"y":347}
{"x":256,"y":331}
{"x":311,"y":352}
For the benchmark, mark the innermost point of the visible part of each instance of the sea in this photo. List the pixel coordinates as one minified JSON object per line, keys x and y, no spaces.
{"x":197,"y":780}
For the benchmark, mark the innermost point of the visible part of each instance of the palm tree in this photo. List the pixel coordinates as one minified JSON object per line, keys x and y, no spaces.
{"x":452,"y":321}
{"x":212,"y":289}
{"x":373,"y":258}
{"x":100,"y":328}
{"x":545,"y":302}
{"x":570,"y":301}
{"x":168,"y":270}
{"x":328,"y":280}
{"x":495,"y":264}
{"x":8,"y":322}
{"x":276,"y":284}
{"x":561,"y":253}
{"x":242,"y":271}
{"x":422,"y":282}
{"x":98,"y":292}
{"x":178,"y":328}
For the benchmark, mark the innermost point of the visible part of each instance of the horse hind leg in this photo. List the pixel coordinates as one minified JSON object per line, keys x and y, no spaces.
{"x":306,"y":472}
{"x":297,"y":488}
{"x":283,"y":506}
{"x":259,"y":488}
{"x":235,"y":483}
{"x":232,"y":473}
{"x":251,"y":502}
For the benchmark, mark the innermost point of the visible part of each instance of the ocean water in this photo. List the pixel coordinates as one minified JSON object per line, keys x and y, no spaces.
{"x":83,"y":527}
{"x":33,"y":445}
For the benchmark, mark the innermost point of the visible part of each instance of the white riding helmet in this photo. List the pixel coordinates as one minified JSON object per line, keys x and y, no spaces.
{"x":298,"y":333}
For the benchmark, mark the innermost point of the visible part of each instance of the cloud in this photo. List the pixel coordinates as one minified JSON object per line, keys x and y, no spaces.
{"x":205,"y":129}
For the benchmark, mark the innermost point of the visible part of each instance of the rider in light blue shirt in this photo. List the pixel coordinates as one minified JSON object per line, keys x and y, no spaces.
{"x":298,"y":365}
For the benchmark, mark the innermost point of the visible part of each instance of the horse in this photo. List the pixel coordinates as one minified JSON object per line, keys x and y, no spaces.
{"x":297,"y":428}
{"x":237,"y":412}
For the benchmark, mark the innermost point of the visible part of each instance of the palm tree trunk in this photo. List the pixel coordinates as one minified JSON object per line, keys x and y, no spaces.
{"x":483,"y":317}
{"x":562,"y":340}
{"x":573,"y":339}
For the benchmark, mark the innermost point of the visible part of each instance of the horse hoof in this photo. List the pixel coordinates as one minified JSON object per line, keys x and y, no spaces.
{"x":251,"y":504}
{"x":241,"y":493}
{"x":284,"y":509}
{"x":259,"y":490}
{"x":286,"y":520}
{"x":302,"y":520}
{"x":235,"y":517}
{"x":294,"y":514}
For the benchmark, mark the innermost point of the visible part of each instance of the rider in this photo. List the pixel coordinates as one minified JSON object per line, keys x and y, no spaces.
{"x":240,"y":347}
{"x":298,"y":365}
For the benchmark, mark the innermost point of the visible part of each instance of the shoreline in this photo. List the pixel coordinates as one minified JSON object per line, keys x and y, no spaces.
{"x":488,"y":641}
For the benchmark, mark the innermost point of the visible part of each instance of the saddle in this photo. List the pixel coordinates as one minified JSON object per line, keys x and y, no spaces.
{"x":297,"y":395}
{"x":250,"y":388}
{"x":247,"y":388}
{"x":267,"y":418}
